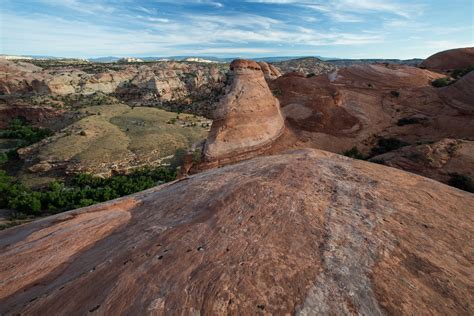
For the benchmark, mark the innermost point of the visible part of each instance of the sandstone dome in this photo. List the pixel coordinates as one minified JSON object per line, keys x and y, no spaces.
{"x":459,"y":58}
{"x":306,"y":232}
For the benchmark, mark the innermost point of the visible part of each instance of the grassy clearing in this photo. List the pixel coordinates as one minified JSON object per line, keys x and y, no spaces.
{"x":116,"y":135}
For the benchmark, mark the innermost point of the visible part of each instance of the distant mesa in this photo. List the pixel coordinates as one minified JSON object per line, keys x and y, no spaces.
{"x":449,"y":60}
{"x":247,"y":118}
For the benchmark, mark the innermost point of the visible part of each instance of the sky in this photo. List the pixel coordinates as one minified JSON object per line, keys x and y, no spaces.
{"x":224,"y":28}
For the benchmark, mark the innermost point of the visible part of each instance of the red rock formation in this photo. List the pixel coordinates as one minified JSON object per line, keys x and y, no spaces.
{"x":448,"y":60}
{"x":355,"y":106}
{"x":247,"y":118}
{"x":436,"y":161}
{"x":269,"y":71}
{"x":460,"y":94}
{"x":306,"y":232}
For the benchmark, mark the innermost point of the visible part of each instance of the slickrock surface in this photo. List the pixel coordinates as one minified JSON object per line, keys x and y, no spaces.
{"x":307,"y":232}
{"x":247,"y":118}
{"x":436,"y":161}
{"x":356,"y":106}
{"x":459,"y":58}
{"x":460,"y":94}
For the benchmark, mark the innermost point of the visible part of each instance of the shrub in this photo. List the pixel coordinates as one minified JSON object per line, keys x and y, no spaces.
{"x":385,"y":145}
{"x":3,"y":158}
{"x":462,"y":182}
{"x":197,"y":156}
{"x":395,"y":94}
{"x":354,"y":153}
{"x":22,"y":130}
{"x":458,"y":73}
{"x":441,"y":82}
{"x":410,"y":120}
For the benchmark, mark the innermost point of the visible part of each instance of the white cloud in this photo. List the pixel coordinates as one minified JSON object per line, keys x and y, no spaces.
{"x":337,"y":9}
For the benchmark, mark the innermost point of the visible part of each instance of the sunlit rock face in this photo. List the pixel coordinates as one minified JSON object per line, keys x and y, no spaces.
{"x":303,"y":233}
{"x":247,"y":118}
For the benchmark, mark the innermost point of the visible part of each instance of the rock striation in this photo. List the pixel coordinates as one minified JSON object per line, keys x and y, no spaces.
{"x":247,"y":118}
{"x":307,"y":232}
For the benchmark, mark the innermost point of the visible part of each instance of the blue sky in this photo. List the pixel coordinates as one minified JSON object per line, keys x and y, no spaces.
{"x":248,"y":28}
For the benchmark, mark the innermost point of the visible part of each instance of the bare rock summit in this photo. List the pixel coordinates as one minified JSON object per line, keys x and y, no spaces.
{"x":303,"y":233}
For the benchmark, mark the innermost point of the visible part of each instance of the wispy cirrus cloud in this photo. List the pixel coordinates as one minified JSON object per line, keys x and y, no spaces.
{"x":338,"y":9}
{"x":340,"y":28}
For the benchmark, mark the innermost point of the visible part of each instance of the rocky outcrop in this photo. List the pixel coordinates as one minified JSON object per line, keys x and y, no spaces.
{"x":20,"y":78}
{"x":160,"y":83}
{"x":356,"y":106}
{"x":460,"y":94}
{"x":437,"y":161}
{"x":449,"y":60}
{"x":269,"y":71}
{"x":247,"y":118}
{"x":308,"y":66}
{"x":33,"y":113}
{"x":307,"y":232}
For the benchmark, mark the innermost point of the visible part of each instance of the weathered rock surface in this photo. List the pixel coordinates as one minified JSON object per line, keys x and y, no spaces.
{"x":436,"y":161}
{"x":306,"y":66}
{"x":269,"y":71}
{"x":356,"y":106}
{"x":247,"y":118}
{"x":307,"y":232}
{"x":452,"y":59}
{"x":157,"y":83}
{"x":460,"y":94}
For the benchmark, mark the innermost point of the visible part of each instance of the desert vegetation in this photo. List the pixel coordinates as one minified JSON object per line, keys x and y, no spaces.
{"x":82,"y":190}
{"x":384,"y":145}
{"x":462,"y":182}
{"x":455,"y":75}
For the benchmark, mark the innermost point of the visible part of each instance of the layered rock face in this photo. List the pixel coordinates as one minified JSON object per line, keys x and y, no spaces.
{"x":247,"y":118}
{"x":452,"y":59}
{"x":151,"y":84}
{"x":305,"y":233}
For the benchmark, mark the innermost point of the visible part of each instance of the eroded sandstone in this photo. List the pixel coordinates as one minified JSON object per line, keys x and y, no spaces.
{"x":306,"y":232}
{"x":247,"y":118}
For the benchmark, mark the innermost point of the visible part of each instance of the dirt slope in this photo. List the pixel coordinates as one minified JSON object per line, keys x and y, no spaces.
{"x":307,"y":232}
